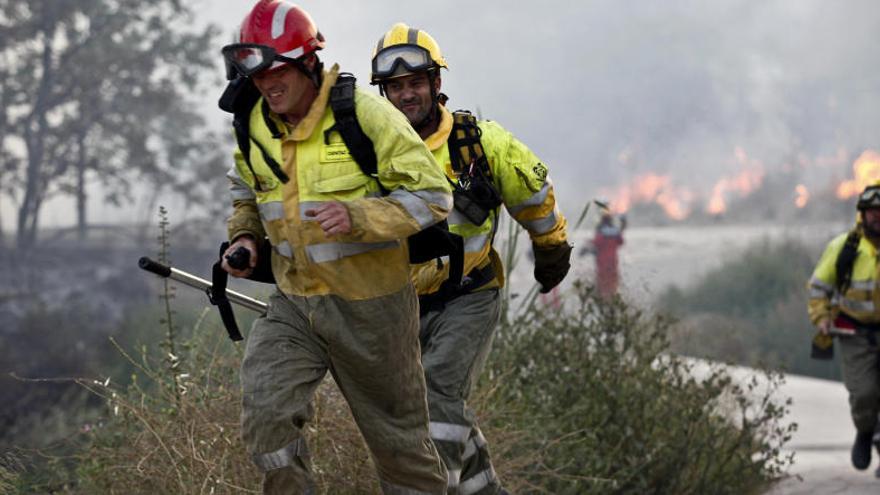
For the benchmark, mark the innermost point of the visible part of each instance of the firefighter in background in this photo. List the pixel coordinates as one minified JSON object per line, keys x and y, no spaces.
{"x":842,"y":302}
{"x":488,"y":168}
{"x":606,"y":241}
{"x":344,"y":301}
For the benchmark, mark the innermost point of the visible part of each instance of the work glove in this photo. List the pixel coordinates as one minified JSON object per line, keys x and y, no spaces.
{"x":551,"y":265}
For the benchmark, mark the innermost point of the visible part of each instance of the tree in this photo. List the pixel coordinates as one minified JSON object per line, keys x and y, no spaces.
{"x":105,"y":87}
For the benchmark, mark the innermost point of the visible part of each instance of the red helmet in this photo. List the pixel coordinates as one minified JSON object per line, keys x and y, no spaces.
{"x":279,"y":25}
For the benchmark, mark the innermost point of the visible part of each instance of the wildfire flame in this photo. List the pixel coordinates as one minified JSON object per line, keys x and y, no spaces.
{"x":866,"y":170}
{"x":678,"y":201}
{"x":743,"y":184}
{"x":802,"y":196}
{"x":653,"y":188}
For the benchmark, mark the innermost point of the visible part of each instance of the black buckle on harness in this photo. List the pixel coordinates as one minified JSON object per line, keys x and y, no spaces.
{"x":448,"y":291}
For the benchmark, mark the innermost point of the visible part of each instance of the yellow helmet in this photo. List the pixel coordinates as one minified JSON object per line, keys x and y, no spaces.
{"x":404,"y":50}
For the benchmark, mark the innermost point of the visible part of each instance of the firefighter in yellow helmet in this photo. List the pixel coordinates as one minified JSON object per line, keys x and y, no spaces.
{"x":843,"y":295}
{"x":488,"y":168}
{"x":344,"y":301}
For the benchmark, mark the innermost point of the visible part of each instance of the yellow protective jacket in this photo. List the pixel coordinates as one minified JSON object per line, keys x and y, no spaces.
{"x":526,"y":191}
{"x":373,"y":259}
{"x":860,"y":301}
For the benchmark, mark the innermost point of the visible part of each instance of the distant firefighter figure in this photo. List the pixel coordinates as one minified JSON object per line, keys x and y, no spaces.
{"x":842,"y":305}
{"x":607,"y":240}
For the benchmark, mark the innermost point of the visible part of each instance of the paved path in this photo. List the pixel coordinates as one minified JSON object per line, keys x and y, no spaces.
{"x":821,"y":444}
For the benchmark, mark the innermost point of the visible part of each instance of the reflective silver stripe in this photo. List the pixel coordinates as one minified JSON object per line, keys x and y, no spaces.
{"x":278,"y":19}
{"x":477,"y":482}
{"x":273,"y":210}
{"x":863,"y":306}
{"x":283,"y":248}
{"x":453,"y":476}
{"x":473,"y":445}
{"x":815,"y":282}
{"x":536,"y":199}
{"x":862,"y":285}
{"x":449,"y":432}
{"x":456,"y":218}
{"x":281,"y":457}
{"x":476,"y":243}
{"x":818,"y":293}
{"x":416,"y":204}
{"x":541,"y":225}
{"x":330,"y":251}
{"x":238,"y":187}
{"x":392,"y":489}
{"x":442,"y":199}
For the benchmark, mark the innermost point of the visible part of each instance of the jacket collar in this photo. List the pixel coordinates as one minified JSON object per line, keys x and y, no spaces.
{"x":441,"y":135}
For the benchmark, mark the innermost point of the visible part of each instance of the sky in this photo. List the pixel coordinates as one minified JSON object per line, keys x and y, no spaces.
{"x":607,"y":91}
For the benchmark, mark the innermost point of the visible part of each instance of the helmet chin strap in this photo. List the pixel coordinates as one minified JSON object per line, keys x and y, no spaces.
{"x":315,"y":75}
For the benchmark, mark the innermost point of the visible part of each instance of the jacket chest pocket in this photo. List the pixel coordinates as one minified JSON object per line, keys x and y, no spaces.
{"x":344,"y":187}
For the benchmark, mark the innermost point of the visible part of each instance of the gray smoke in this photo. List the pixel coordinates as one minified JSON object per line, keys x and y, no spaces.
{"x":606,"y":90}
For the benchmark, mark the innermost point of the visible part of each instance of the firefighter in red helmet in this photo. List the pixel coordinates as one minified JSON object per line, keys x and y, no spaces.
{"x":344,"y":301}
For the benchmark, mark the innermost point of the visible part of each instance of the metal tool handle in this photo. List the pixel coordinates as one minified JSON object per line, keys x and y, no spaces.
{"x":185,"y":278}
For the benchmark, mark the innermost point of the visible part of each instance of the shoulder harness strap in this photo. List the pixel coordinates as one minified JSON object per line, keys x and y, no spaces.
{"x":239,"y":99}
{"x":846,"y":259}
{"x":465,"y":148}
{"x":430,"y":243}
{"x":475,"y":194}
{"x":358,"y":143}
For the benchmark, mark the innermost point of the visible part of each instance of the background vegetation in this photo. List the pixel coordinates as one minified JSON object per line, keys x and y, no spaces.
{"x":587,"y":400}
{"x":752,"y":311}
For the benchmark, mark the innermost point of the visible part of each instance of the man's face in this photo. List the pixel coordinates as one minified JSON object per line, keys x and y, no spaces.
{"x":412,"y":95}
{"x":283,"y":88}
{"x":872,"y":220}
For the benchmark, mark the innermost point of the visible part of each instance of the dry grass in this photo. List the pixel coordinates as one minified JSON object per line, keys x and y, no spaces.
{"x":158,"y":440}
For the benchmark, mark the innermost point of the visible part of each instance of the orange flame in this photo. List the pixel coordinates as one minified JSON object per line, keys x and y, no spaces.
{"x":866,"y":170}
{"x":653,"y":188}
{"x":803,"y":196}
{"x":742,"y":184}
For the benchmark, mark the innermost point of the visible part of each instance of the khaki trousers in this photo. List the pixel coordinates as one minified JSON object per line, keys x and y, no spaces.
{"x":455,"y":343}
{"x":860,"y":362}
{"x":371,"y":348}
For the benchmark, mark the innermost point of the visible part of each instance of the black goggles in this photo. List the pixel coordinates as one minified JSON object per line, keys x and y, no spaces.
{"x":413,"y":57}
{"x":247,"y":59}
{"x":870,"y":198}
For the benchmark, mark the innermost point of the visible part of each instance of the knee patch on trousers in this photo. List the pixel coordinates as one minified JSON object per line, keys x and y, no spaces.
{"x":282,"y":457}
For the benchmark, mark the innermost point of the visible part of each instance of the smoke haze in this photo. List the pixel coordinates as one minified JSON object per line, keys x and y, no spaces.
{"x":605,"y":91}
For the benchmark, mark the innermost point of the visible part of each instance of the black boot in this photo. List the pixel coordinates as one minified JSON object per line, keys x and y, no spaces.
{"x":861,"y":450}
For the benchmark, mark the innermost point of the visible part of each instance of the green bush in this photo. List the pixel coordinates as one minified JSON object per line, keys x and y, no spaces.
{"x":611,"y":411}
{"x":752,"y":311}
{"x":10,"y":469}
{"x":751,"y":284}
